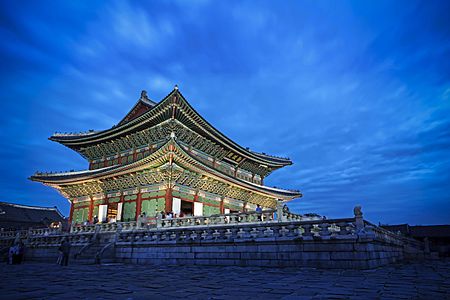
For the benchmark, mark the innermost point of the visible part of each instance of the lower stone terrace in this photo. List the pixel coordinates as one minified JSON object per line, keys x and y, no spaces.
{"x":423,"y":280}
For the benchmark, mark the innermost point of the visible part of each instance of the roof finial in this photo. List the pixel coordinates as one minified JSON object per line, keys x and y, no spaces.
{"x":176,"y":87}
{"x":144,"y":94}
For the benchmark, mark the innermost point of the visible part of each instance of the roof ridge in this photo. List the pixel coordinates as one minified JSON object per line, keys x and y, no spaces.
{"x":29,"y":206}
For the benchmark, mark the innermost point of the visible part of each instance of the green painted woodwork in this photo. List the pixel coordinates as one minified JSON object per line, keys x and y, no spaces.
{"x":153,"y":194}
{"x":79,"y":204}
{"x":178,"y":194}
{"x":232,"y":207}
{"x":80,"y":215}
{"x":139,"y":156}
{"x":161,"y":204}
{"x":116,"y":161}
{"x":114,"y":200}
{"x":98,"y":202}
{"x":210,"y":210}
{"x":130,"y":158}
{"x":130,"y":197}
{"x":149,"y":207}
{"x":95,"y":211}
{"x":129,"y":211}
{"x":206,"y":200}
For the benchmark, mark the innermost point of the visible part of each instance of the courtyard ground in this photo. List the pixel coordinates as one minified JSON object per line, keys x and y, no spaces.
{"x":425,"y":280}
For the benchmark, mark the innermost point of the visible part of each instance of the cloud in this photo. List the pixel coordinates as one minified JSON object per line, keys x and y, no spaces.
{"x":357,"y":94}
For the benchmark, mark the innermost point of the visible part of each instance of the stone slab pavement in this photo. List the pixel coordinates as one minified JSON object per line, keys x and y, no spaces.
{"x":423,"y":280}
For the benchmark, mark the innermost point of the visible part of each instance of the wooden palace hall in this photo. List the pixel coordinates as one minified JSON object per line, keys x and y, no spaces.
{"x":163,"y":157}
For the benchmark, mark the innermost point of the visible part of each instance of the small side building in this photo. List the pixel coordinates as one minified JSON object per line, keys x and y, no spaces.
{"x":18,"y":216}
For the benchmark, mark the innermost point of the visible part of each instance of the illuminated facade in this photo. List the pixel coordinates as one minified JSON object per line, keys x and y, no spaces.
{"x":163,"y":157}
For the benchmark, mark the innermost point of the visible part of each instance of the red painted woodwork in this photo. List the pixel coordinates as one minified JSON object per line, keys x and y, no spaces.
{"x":71,"y":213}
{"x":168,"y":199}
{"x":222,"y":209}
{"x":91,"y":209}
{"x":136,"y":112}
{"x":138,"y":204}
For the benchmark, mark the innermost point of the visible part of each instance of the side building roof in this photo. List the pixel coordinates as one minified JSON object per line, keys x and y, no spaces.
{"x":24,"y":216}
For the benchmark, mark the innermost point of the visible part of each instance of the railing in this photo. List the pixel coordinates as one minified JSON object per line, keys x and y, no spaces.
{"x":222,"y":219}
{"x":384,"y":234}
{"x":11,"y":234}
{"x":55,"y":240}
{"x":322,"y":229}
{"x":219,"y":227}
{"x":44,"y":231}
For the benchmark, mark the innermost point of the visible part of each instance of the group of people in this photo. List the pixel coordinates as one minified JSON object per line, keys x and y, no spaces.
{"x":172,"y":215}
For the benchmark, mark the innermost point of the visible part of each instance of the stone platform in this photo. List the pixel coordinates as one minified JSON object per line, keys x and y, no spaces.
{"x":427,"y":280}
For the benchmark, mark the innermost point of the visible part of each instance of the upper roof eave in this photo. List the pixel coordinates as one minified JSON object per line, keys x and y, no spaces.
{"x":74,"y":140}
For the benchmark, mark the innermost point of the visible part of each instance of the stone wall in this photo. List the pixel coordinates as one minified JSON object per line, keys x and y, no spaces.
{"x":339,"y":253}
{"x":351,"y":243}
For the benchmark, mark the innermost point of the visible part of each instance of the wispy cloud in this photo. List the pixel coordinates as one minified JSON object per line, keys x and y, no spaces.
{"x":356,"y":94}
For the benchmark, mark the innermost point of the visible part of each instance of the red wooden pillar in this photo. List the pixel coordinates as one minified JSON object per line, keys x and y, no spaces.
{"x":168,"y":199}
{"x":196,"y":197}
{"x":71,"y":213}
{"x":134,"y":154}
{"x":138,"y":204}
{"x":222,"y":209}
{"x":91,"y":209}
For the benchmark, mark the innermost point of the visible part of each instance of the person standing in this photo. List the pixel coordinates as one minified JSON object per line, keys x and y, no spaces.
{"x":65,"y":249}
{"x":20,"y":252}
{"x":258,"y":210}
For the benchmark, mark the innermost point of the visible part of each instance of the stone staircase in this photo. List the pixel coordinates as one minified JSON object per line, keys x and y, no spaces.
{"x":89,"y":255}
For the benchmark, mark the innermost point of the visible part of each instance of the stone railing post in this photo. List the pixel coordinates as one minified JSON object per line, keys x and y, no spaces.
{"x":158,"y":220}
{"x":359,"y":221}
{"x":279,"y":210}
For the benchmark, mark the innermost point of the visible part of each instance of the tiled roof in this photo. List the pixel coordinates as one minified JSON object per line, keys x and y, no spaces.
{"x":13,"y":214}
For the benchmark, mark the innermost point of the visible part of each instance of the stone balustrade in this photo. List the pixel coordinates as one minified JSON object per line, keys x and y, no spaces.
{"x":9,"y":234}
{"x":55,"y":240}
{"x":209,"y":231}
{"x":44,"y":231}
{"x":237,"y":239}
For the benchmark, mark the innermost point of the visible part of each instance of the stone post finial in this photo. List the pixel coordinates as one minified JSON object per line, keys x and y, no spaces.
{"x":359,"y":221}
{"x":279,"y":210}
{"x":357,"y":211}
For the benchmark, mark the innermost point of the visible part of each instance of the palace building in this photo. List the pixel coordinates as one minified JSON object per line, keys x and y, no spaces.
{"x":163,"y":157}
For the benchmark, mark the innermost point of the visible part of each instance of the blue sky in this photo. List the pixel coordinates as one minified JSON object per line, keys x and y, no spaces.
{"x":357,"y":94}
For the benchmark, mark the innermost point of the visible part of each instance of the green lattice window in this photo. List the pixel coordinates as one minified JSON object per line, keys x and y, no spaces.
{"x":149,"y":207}
{"x":210,"y":210}
{"x":80,"y":215}
{"x":95,"y":211}
{"x":129,"y":211}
